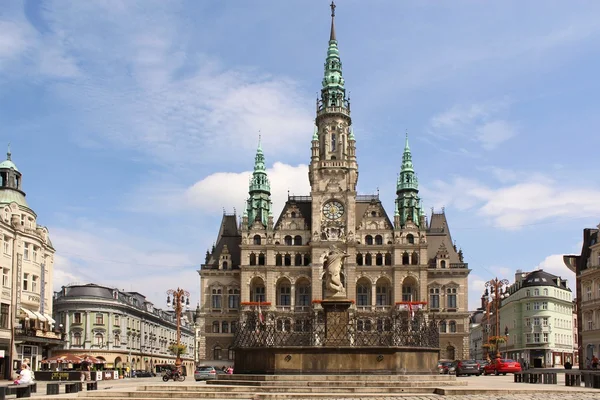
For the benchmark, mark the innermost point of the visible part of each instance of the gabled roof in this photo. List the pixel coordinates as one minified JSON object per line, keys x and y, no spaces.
{"x":230,"y":236}
{"x":438,"y":234}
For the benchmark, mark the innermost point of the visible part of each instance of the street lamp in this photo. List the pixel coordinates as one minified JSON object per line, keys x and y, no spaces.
{"x":181,"y":298}
{"x":495,"y":285}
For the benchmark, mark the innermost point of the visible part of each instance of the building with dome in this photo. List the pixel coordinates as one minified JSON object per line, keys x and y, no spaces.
{"x":537,"y":314}
{"x":273,"y":264}
{"x":27,"y":329}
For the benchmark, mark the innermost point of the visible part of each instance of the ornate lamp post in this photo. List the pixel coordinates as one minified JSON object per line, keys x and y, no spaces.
{"x":495,"y":285}
{"x":181,"y":298}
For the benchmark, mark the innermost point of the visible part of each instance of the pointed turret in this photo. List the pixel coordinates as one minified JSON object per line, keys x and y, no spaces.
{"x":333,"y":93}
{"x":259,"y":203}
{"x":11,"y":189}
{"x":408,"y":202}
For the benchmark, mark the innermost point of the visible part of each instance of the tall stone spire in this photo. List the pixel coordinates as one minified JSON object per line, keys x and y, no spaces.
{"x":259,"y":203}
{"x":408,"y":202}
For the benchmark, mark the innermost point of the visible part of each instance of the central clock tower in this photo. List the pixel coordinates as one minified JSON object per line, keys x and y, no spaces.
{"x":333,"y":170}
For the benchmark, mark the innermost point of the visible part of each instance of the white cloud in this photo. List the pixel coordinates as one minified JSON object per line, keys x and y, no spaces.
{"x":480,"y":122}
{"x":520,"y":203}
{"x":220,"y":191}
{"x":138,"y":82}
{"x":106,"y":256}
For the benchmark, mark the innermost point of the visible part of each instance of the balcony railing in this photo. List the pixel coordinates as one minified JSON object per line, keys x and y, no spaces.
{"x":39,"y":334}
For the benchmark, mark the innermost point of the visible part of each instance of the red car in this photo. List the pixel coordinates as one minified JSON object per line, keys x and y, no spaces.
{"x":501,"y":366}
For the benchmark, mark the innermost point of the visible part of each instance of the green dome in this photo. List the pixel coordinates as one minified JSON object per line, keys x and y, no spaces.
{"x":8,"y":164}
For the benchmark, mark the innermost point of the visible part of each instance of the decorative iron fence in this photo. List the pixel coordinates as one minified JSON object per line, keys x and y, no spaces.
{"x":372,"y":329}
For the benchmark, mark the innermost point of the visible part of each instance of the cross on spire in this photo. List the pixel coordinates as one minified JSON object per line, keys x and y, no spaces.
{"x":8,"y":154}
{"x":332,"y":5}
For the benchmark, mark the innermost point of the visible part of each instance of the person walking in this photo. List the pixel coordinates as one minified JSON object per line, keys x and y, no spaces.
{"x":594,"y":362}
{"x":25,"y":376}
{"x":85,"y":370}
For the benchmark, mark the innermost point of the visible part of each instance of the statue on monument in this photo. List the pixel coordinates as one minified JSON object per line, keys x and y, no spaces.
{"x":332,"y":265}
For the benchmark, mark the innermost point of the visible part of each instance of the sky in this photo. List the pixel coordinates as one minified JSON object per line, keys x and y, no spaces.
{"x":135,"y":123}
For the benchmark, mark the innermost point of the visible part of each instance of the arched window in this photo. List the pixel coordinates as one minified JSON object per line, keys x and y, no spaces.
{"x":230,"y":354}
{"x":233,"y":326}
{"x":287,"y":260}
{"x":443,"y":264}
{"x":410,"y":239}
{"x":306,"y":260}
{"x":297,"y":240}
{"x":452,"y":327}
{"x":443,"y":327}
{"x":252,"y":259}
{"x":405,"y":258}
{"x":261,"y":259}
{"x":284,"y":291}
{"x":215,"y":327}
{"x":257,"y":290}
{"x":99,"y":339}
{"x":287,"y":240}
{"x":256,"y":239}
{"x":415,"y":258}
{"x":117,"y":340}
{"x":368,"y":259}
{"x":382,"y":293}
{"x":217,"y":353}
{"x":359,"y":259}
{"x":298,"y":259}
{"x":363,"y":293}
{"x":546,"y":292}
{"x":536,"y":292}
{"x":303,"y":293}
{"x":378,"y":239}
{"x":225,"y":265}
{"x":388,"y":259}
{"x":278,"y":260}
{"x":369,"y":239}
{"x":379,"y":259}
{"x":225,"y":327}
{"x":409,"y":289}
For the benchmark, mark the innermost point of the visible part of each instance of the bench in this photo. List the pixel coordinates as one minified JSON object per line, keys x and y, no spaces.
{"x":23,"y":390}
{"x":548,"y":378}
{"x":70,"y":387}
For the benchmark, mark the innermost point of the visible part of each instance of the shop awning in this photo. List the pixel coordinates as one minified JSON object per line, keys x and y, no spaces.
{"x":50,"y":319}
{"x":29,"y":313}
{"x":39,"y":316}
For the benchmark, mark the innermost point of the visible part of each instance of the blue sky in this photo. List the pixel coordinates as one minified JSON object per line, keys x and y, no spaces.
{"x":135,"y":123}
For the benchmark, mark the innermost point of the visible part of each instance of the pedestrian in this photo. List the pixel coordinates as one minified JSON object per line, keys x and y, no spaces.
{"x":85,"y":370}
{"x":25,"y":375}
{"x":594,"y":362}
{"x":229,"y":371}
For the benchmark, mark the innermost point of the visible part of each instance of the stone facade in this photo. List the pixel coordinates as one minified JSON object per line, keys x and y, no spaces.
{"x":587,"y":269}
{"x":276,"y":265}
{"x":122,"y":328}
{"x":538,"y":316}
{"x":27,"y":330}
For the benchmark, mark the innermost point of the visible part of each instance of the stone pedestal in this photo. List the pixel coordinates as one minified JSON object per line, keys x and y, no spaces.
{"x":336,"y":322}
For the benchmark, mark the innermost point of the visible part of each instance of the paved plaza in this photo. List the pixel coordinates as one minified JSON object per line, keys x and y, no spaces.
{"x":501,"y":388}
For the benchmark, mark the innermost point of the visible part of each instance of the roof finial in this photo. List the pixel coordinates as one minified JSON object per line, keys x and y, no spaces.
{"x":332,"y":34}
{"x":259,"y":139}
{"x":8,"y":154}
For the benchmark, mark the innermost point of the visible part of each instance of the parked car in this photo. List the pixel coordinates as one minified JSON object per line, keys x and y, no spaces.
{"x":482,"y":364}
{"x":502,"y":366}
{"x":443,"y":366}
{"x":466,"y":367}
{"x":207,"y":372}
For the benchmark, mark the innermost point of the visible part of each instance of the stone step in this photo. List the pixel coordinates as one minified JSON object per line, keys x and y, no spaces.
{"x":249,"y":391}
{"x":330,"y":384}
{"x":345,"y":378}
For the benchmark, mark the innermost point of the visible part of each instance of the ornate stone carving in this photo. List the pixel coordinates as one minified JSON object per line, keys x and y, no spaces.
{"x":333,"y":264}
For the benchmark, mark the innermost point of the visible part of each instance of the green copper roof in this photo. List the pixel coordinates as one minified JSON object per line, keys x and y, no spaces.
{"x":259,"y":204}
{"x":407,"y":178}
{"x":8,"y":196}
{"x":316,"y":134}
{"x":333,"y":92}
{"x":8,"y":164}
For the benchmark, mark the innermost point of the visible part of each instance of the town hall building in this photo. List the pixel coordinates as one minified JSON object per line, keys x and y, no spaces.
{"x":274,"y":264}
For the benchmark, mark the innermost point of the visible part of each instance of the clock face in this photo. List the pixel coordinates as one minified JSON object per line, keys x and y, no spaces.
{"x":333,"y":209}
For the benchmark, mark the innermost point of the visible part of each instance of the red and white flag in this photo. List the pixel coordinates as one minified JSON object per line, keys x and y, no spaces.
{"x":261,"y":317}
